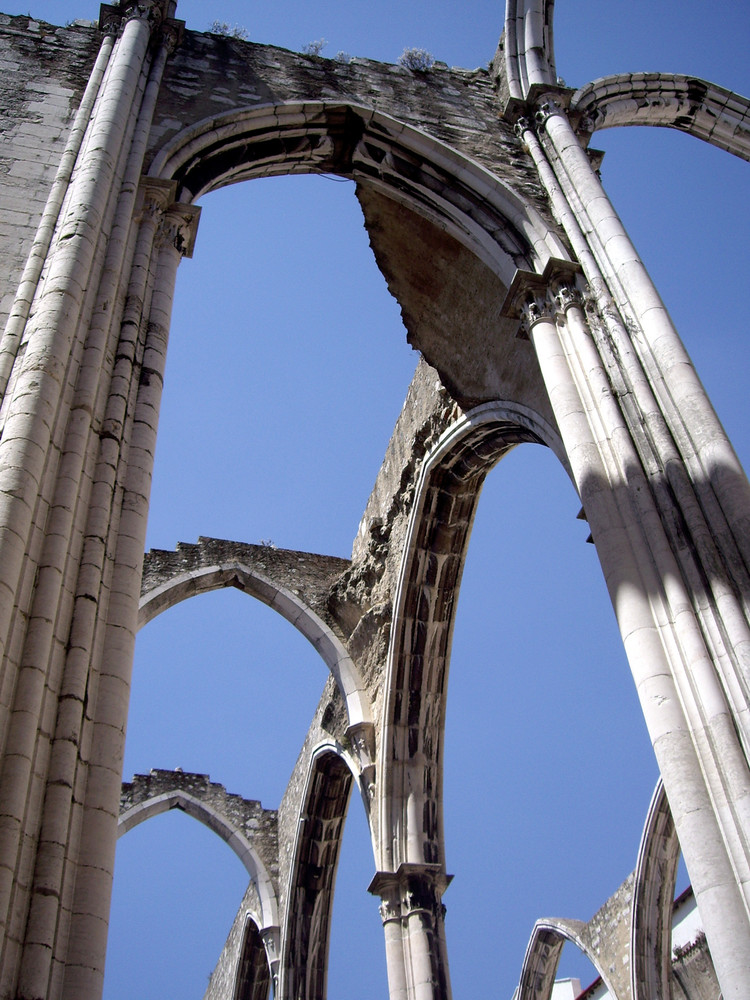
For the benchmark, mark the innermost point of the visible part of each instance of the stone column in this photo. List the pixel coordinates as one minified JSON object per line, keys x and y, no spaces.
{"x":49,"y":448}
{"x":683,"y":700}
{"x":682,"y":401}
{"x":414,"y":925}
{"x":105,"y":724}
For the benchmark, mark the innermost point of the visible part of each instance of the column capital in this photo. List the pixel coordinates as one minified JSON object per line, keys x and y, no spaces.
{"x":361,"y":736}
{"x":548,"y":107}
{"x":533,"y":297}
{"x":155,"y":195}
{"x":179,"y":227}
{"x":413,"y":887}
{"x":113,"y":15}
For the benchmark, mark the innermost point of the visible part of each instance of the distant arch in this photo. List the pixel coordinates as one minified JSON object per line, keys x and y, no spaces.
{"x":253,"y":976}
{"x":235,"y":572}
{"x":179,"y":798}
{"x":543,"y":956}
{"x":313,"y":872}
{"x":667,"y":100}
{"x":653,"y":901}
{"x":409,"y":166}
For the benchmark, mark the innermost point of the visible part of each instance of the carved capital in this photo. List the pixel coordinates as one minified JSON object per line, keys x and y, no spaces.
{"x":270,"y":936}
{"x":567,"y":295}
{"x":172,"y":32}
{"x":112,"y":17}
{"x":531,"y":298}
{"x":412,"y":888}
{"x":548,"y":106}
{"x":155,"y":195}
{"x":522,"y":125}
{"x":535,"y":308}
{"x":179,"y":227}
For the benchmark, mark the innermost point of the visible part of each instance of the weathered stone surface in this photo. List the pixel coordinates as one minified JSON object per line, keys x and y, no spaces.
{"x":460,"y":209}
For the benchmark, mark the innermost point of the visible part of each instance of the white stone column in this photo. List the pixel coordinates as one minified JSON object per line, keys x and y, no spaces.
{"x":684,"y":704}
{"x":105,"y":724}
{"x":413,"y":923}
{"x":692,"y":421}
{"x":44,"y":453}
{"x":49,"y":913}
{"x":33,"y":408}
{"x":19,"y":312}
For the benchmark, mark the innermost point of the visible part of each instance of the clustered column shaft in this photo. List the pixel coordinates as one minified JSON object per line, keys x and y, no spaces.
{"x":685,"y":705}
{"x":83,"y":378}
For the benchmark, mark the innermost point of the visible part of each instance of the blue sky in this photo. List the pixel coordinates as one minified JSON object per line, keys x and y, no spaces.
{"x":288,"y":365}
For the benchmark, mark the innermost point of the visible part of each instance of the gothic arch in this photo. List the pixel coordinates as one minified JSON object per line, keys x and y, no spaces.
{"x":418,"y":171}
{"x":543,"y":955}
{"x":241,"y":574}
{"x":411,"y":749}
{"x":668,"y":100}
{"x":653,"y":901}
{"x":312,"y":874}
{"x":204,"y":812}
{"x":253,"y":975}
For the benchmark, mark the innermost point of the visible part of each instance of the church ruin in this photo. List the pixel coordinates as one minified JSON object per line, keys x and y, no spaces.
{"x":485,"y":213}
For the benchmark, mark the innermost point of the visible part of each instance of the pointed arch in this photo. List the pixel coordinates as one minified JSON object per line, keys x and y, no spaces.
{"x":543,"y":956}
{"x":199,"y":573}
{"x":653,"y":901}
{"x":312,"y":875}
{"x":179,"y":798}
{"x":428,"y":177}
{"x":424,"y":609}
{"x":254,"y":975}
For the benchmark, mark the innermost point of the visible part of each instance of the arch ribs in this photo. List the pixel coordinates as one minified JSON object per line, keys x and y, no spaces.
{"x":705,"y":110}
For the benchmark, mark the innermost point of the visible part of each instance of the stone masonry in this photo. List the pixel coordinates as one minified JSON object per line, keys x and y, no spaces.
{"x":487,"y":217}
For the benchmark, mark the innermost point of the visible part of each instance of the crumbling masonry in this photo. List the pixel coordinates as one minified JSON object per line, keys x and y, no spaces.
{"x":486,"y":215}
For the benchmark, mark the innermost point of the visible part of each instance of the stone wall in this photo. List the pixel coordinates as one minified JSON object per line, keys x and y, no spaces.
{"x":43,"y":74}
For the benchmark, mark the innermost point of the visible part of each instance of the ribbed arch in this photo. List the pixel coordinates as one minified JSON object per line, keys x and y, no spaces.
{"x":426,"y":599}
{"x":668,"y":100}
{"x":653,"y":901}
{"x":179,"y":798}
{"x":543,"y":956}
{"x":423,"y":174}
{"x":253,"y":977}
{"x":313,"y":872}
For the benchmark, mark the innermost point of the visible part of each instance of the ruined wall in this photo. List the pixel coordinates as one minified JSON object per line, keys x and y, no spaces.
{"x":223,"y":977}
{"x":211,"y":74}
{"x":43,"y":74}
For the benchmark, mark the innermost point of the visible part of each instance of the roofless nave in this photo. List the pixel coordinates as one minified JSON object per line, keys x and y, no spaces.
{"x":565,"y":342}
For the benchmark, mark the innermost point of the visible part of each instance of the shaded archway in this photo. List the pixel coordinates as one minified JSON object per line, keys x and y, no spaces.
{"x":653,"y":901}
{"x":254,"y":978}
{"x":424,"y":609}
{"x":312,"y":875}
